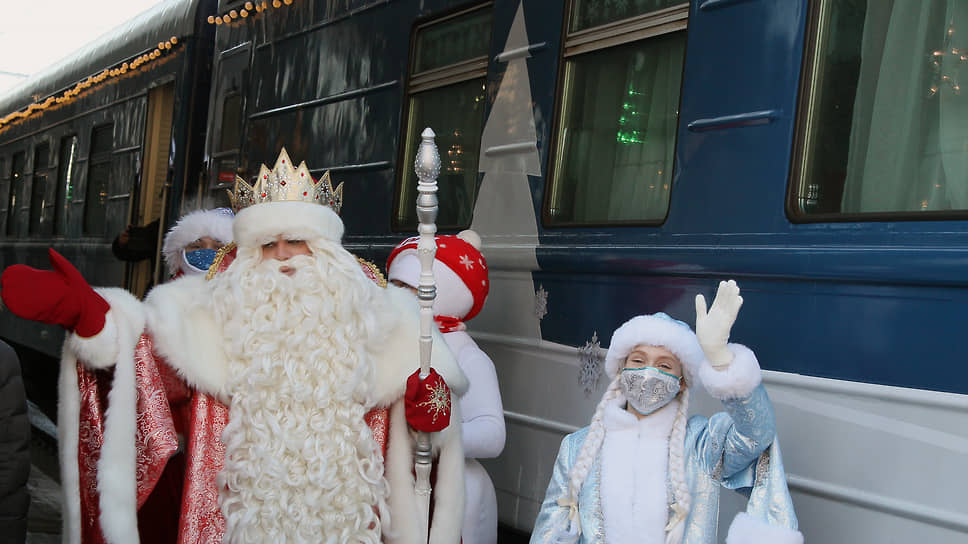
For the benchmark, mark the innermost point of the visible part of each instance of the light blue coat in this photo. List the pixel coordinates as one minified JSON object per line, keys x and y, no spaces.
{"x":735,"y":449}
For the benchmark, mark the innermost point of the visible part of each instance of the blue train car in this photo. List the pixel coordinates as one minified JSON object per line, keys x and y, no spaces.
{"x":110,"y":136}
{"x":619,"y":156}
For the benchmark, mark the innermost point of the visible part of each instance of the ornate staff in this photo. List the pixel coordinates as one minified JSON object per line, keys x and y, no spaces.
{"x":427,"y":166}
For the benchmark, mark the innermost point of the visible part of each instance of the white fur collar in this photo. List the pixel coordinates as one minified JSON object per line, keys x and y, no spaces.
{"x":399,"y":356}
{"x":635,"y":460}
{"x":185,"y":333}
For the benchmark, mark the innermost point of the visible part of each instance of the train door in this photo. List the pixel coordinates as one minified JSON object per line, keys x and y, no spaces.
{"x":149,"y":202}
{"x":227,"y":127}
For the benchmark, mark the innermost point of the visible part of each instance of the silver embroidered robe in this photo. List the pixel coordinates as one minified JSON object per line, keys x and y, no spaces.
{"x":734,"y":449}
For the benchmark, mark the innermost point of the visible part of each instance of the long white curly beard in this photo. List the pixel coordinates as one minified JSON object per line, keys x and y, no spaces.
{"x":300,"y":463}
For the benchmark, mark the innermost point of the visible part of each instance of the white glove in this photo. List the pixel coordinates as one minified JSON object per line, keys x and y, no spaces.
{"x":712,"y":328}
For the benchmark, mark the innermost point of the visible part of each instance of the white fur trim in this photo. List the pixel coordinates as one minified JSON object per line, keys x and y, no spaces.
{"x":116,"y":468}
{"x":68,"y":430}
{"x":186,"y":335}
{"x":101,"y":350}
{"x":745,"y":529}
{"x":654,"y":330}
{"x":116,"y":478}
{"x":261,"y":223}
{"x":635,"y":465}
{"x":738,"y":380}
{"x":215,"y":224}
{"x":399,"y":356}
{"x":453,"y":299}
{"x":448,"y":491}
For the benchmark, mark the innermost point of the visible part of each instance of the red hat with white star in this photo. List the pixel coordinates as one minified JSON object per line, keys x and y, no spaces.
{"x":460,"y":272}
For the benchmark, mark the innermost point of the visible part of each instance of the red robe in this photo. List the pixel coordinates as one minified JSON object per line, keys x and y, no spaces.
{"x":177,"y":496}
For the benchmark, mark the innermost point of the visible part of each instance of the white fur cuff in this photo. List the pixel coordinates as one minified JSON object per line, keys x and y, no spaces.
{"x":738,"y":380}
{"x":746,"y":529}
{"x":125,"y":318}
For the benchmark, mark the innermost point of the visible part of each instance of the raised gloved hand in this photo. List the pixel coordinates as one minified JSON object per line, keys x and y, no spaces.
{"x":60,"y":296}
{"x":712,"y":328}
{"x":427,"y":402}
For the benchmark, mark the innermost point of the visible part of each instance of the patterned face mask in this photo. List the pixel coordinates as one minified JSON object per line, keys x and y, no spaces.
{"x":647,"y":389}
{"x":200,"y":259}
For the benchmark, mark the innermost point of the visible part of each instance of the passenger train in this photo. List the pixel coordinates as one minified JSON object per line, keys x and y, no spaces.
{"x":617,"y":157}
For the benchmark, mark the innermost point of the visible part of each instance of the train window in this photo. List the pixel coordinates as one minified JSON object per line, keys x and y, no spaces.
{"x":98,"y":180}
{"x":883,"y":118}
{"x":616,"y":127}
{"x":16,"y":193}
{"x":446,"y":93}
{"x":590,"y":13}
{"x":41,"y":201}
{"x":231,"y":131}
{"x":65,"y":182}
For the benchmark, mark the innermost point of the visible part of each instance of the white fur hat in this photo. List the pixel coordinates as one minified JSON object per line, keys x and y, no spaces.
{"x":215,"y":224}
{"x":295,"y":220}
{"x":656,"y":330}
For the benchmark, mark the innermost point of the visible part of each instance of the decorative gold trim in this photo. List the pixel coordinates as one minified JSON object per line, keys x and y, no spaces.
{"x":222,"y":252}
{"x":381,"y":280}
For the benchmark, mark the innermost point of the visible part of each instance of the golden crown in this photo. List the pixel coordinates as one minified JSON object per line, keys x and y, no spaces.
{"x":285,"y":183}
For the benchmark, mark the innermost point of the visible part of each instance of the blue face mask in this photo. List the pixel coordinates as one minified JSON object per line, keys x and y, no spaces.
{"x":200,"y":259}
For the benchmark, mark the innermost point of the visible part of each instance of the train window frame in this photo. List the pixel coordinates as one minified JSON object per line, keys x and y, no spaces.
{"x":222,"y":90}
{"x":4,"y":182}
{"x":11,"y":228}
{"x":40,"y":208}
{"x":97,"y":158}
{"x":66,"y":183}
{"x":434,"y":78}
{"x":663,"y":22}
{"x":798,"y":186}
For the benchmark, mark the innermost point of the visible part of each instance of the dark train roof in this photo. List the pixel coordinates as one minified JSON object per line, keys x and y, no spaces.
{"x":144,"y":31}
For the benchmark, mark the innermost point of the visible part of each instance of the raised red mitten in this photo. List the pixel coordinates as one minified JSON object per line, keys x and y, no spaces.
{"x":60,"y":296}
{"x":427,"y":402}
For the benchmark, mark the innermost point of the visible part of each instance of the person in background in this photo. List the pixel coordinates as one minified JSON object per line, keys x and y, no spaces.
{"x":136,"y":243}
{"x":14,"y":449}
{"x":641,"y":472}
{"x":191,"y":245}
{"x":460,"y":274}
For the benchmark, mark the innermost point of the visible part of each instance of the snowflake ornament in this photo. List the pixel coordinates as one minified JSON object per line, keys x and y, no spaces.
{"x":439,"y":401}
{"x":590,"y":364}
{"x":540,"y":303}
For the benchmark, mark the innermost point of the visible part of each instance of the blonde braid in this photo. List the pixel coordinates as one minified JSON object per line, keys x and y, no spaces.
{"x":589,"y":449}
{"x":682,"y":499}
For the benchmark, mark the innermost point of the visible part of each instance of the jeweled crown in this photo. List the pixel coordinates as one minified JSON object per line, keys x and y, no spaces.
{"x":285,"y":183}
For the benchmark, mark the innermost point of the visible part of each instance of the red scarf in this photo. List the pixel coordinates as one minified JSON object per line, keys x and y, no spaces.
{"x":449,"y":324}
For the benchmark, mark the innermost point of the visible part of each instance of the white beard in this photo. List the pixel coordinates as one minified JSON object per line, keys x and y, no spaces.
{"x":300,"y":463}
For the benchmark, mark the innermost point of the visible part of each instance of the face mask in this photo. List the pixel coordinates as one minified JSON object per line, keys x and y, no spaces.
{"x":200,"y":260}
{"x":647,"y":389}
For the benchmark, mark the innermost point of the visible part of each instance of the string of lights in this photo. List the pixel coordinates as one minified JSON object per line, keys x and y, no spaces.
{"x":245,"y":11}
{"x":68,"y":96}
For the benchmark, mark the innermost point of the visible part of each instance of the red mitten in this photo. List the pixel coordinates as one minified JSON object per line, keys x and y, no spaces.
{"x":427,"y":402}
{"x":60,"y":296}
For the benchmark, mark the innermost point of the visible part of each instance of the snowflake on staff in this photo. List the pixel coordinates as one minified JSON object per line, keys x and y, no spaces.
{"x":439,"y":402}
